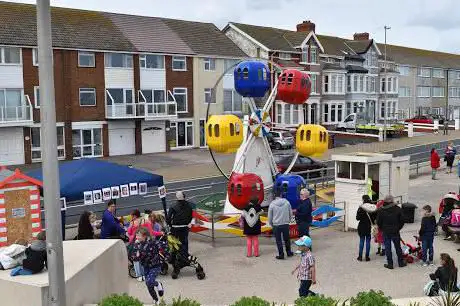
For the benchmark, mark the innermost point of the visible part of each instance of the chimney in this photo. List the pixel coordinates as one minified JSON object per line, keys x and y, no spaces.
{"x":306,"y":26}
{"x":361,"y":36}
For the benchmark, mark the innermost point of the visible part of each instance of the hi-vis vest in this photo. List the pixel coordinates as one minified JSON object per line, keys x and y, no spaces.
{"x":370,"y":192}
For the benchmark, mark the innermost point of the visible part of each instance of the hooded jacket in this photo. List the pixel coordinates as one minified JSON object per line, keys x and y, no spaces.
{"x":303,"y":212}
{"x":428,"y":227}
{"x":279,"y":212}
{"x":36,"y":258}
{"x":180,"y":214}
{"x":390,"y":219}
{"x":366,"y":217}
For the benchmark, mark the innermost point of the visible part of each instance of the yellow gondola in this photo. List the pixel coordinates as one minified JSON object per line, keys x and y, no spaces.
{"x":224,"y":133}
{"x":311,"y":140}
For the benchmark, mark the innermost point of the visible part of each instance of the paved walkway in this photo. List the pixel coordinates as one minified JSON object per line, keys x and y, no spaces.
{"x":230,"y":274}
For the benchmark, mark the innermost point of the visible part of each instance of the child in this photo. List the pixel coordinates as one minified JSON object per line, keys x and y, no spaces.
{"x":379,"y":236}
{"x":426,"y":233}
{"x":148,"y":254}
{"x":306,"y":269}
{"x":36,"y":259}
{"x":252,"y":226}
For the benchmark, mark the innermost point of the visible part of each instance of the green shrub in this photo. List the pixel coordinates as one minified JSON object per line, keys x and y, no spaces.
{"x":184,"y":302}
{"x":371,"y":298}
{"x":316,"y":300}
{"x":120,"y":300}
{"x":251,"y":301}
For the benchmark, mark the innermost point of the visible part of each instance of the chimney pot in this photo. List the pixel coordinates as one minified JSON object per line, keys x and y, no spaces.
{"x":306,"y":26}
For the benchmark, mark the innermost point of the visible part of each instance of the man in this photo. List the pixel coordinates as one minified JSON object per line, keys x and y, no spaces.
{"x":279,"y":217}
{"x":179,"y":218}
{"x":390,"y":221}
{"x":110,"y":226}
{"x":303,"y":213}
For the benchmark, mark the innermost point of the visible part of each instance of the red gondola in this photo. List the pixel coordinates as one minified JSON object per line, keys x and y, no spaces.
{"x":294,"y":86}
{"x":242,"y":187}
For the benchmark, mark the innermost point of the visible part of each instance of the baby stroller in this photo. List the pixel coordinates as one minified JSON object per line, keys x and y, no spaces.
{"x":411,"y":252}
{"x":179,"y":260}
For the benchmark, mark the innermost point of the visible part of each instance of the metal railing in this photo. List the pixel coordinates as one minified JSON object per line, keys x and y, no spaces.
{"x":13,"y":115}
{"x":160,"y":110}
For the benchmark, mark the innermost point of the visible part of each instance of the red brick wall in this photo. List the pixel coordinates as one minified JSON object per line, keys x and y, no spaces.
{"x":181,"y":79}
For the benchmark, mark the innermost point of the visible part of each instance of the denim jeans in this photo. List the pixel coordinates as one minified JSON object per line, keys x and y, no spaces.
{"x":396,"y":240}
{"x":363,"y":239}
{"x":427,"y":247}
{"x":304,"y":289}
{"x":303,"y":229}
{"x":281,"y":233}
{"x":138,"y":268}
{"x":433,"y":173}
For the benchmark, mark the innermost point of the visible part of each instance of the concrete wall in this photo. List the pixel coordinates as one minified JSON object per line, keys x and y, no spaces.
{"x":93,"y":269}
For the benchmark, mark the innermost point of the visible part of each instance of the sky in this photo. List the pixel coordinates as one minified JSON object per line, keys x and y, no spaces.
{"x":425,"y":24}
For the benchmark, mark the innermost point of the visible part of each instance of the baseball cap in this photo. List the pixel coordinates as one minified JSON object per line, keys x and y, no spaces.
{"x":304,"y":241}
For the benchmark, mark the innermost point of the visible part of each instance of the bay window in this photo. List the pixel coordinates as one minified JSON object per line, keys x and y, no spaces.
{"x":355,"y":83}
{"x":35,"y":142}
{"x":391,"y":108}
{"x":304,"y":56}
{"x":333,"y":112}
{"x":372,"y":86}
{"x":333,"y":83}
{"x":87,"y":142}
{"x":314,"y":84}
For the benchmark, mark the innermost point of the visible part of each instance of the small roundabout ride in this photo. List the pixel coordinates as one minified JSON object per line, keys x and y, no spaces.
{"x":254,"y":173}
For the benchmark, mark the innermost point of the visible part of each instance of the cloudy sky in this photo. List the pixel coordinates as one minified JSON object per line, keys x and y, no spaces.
{"x":423,"y":24}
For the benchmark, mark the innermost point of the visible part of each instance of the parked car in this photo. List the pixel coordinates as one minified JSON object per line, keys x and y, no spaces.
{"x":302,"y":164}
{"x":279,"y":139}
{"x":427,"y":119}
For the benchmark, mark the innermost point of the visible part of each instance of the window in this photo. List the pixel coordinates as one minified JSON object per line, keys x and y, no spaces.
{"x":340,"y":83}
{"x":233,"y":102}
{"x":35,"y":142}
{"x":314,"y":86}
{"x":333,"y":83}
{"x":10,"y":55}
{"x":151,"y":61}
{"x":119,"y":96}
{"x":404,"y":91}
{"x":153,"y":96}
{"x":37,"y":96}
{"x":372,"y":87}
{"x":423,"y":91}
{"x":454,"y":92}
{"x":87,"y":142}
{"x":208,"y":96}
{"x":361,"y":83}
{"x":438,"y":92}
{"x":391,"y":109}
{"x":343,"y":169}
{"x":284,"y":56}
{"x":326,"y":84}
{"x":11,"y":104}
{"x":390,"y":84}
{"x":333,"y":112}
{"x":355,"y":83}
{"x":229,"y":64}
{"x":87,"y":96}
{"x":180,"y":94}
{"x":438,"y":73}
{"x":304,"y":55}
{"x":382,"y":84}
{"x":35,"y":56}
{"x":118,"y":60}
{"x":348,"y":83}
{"x":183,"y":134}
{"x":179,"y":63}
{"x":209,"y":64}
{"x":313,"y":55}
{"x":86,"y":59}
{"x":424,"y":72}
{"x":279,"y":112}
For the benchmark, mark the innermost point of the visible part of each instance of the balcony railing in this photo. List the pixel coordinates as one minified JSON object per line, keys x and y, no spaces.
{"x":125,"y":110}
{"x":161,"y":110}
{"x":17,"y":115}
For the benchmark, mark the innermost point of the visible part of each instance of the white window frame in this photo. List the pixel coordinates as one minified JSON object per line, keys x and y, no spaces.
{"x":182,"y":59}
{"x":442,"y":94}
{"x":87,"y":90}
{"x":233,"y":111}
{"x":404,"y":70}
{"x":143,"y":57}
{"x":336,"y":110}
{"x":420,"y":71}
{"x":208,"y":92}
{"x":86,"y":53}
{"x":92,"y":145}
{"x":304,"y":55}
{"x":313,"y":50}
{"x":391,"y":109}
{"x":284,"y":56}
{"x":419,"y":92}
{"x":372,"y":87}
{"x":188,"y":123}
{"x":125,"y":60}
{"x":406,"y":92}
{"x":2,"y":56}
{"x":291,"y":111}
{"x":108,"y":95}
{"x":36,"y":93}
{"x":186,"y":98}
{"x":455,"y":90}
{"x":209,"y":64}
{"x":141,"y":95}
{"x":314,"y":84}
{"x":39,"y":149}
{"x":335,"y":84}
{"x":441,"y":76}
{"x":35,"y":57}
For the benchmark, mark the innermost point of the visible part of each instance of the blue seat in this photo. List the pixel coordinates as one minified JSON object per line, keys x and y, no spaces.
{"x":290,"y":185}
{"x":252,"y":79}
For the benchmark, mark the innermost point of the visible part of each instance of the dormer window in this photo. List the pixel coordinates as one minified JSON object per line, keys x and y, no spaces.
{"x":313,"y":55}
{"x":285,"y":56}
{"x":305,"y":54}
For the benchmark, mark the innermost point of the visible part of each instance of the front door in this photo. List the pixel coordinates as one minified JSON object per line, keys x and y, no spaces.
{"x":18,"y":221}
{"x":202,"y":133}
{"x":181,"y":136}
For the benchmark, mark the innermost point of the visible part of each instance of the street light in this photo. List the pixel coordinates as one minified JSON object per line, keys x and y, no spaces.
{"x":386,"y":87}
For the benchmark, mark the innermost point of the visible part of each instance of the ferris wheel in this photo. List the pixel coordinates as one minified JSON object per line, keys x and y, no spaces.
{"x":254,"y":173}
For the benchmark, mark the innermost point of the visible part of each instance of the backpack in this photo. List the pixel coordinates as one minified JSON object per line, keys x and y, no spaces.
{"x":455,"y":218}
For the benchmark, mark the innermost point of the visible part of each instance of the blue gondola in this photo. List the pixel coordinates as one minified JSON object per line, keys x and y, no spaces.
{"x":252,"y":79}
{"x":290,"y":185}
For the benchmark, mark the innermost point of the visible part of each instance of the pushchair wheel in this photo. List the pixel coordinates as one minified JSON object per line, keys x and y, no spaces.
{"x":200,"y":272}
{"x":174,"y":275}
{"x":131,"y":271}
{"x":164,"y":268}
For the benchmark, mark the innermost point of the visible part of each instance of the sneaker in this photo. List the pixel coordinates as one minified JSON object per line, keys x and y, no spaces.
{"x":140,"y":279}
{"x":448,"y":238}
{"x":359,"y":258}
{"x":431,"y":263}
{"x":160,"y":289}
{"x":425,"y":264}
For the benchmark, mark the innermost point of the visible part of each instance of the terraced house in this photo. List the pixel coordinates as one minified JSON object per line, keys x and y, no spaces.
{"x":123,"y":84}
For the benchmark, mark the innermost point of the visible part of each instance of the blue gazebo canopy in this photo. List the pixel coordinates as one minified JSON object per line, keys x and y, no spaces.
{"x":82,"y":175}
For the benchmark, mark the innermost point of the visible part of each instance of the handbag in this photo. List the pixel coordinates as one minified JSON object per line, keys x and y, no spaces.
{"x":374,"y":228}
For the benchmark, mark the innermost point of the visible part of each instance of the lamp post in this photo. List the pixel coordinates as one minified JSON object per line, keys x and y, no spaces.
{"x":51,"y":190}
{"x":386,"y":87}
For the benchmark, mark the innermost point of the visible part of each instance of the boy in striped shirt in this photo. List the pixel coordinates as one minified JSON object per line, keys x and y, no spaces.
{"x":306,"y":272}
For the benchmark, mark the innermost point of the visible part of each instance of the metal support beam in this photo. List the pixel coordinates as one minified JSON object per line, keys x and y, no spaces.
{"x":51,"y":189}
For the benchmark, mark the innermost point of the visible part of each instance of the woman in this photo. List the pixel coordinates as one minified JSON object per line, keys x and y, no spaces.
{"x":435,"y":163}
{"x":379,"y":236}
{"x":252,"y":227}
{"x":85,"y":226}
{"x":132,"y":230}
{"x":446,"y":274}
{"x":449,"y":156}
{"x":366,"y":217}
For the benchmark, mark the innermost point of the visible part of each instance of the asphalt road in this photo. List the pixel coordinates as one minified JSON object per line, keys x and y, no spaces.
{"x":199,"y":189}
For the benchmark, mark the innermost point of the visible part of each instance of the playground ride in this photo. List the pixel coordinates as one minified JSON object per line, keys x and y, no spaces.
{"x":254,"y":173}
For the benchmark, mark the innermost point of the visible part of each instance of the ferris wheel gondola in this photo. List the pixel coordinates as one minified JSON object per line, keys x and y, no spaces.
{"x":254,"y":172}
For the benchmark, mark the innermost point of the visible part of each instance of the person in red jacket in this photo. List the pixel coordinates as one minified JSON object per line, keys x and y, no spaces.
{"x":435,"y":163}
